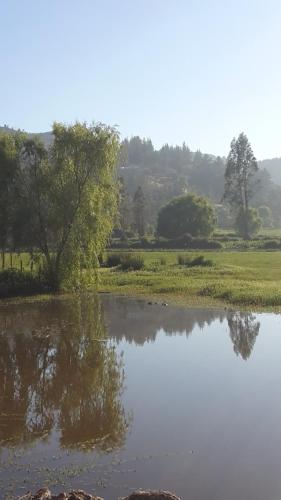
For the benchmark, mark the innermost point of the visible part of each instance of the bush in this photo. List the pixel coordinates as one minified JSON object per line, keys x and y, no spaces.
{"x":183,"y":260}
{"x":131,"y":262}
{"x":14,"y":282}
{"x":201,"y":261}
{"x":253,"y":223}
{"x":271,"y":245}
{"x":265,"y":215}
{"x":186,"y":214}
{"x":113,"y":260}
{"x":163,"y":261}
{"x":205,"y":244}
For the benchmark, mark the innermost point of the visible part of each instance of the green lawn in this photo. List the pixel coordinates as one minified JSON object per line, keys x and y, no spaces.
{"x":240,"y":278}
{"x":18,"y":261}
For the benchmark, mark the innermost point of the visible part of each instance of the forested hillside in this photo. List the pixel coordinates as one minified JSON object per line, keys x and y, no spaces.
{"x":173,"y":170}
{"x":273,"y":166}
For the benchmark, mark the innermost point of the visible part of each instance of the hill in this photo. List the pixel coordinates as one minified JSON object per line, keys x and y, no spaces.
{"x":273,"y":166}
{"x":46,"y":137}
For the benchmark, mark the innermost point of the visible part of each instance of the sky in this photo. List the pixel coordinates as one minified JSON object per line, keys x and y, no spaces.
{"x":199,"y":71}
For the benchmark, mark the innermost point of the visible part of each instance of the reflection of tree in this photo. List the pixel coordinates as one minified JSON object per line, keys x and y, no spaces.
{"x":56,"y":370}
{"x":243,"y":329}
{"x":135,"y":321}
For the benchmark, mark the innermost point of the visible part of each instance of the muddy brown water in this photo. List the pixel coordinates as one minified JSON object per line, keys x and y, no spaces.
{"x":110,"y":394}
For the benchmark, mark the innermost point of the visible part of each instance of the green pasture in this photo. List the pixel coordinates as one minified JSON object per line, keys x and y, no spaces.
{"x":239,"y":278}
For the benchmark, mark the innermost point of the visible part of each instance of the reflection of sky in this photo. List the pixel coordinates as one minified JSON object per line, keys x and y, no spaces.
{"x":197,"y":395}
{"x":205,"y":422}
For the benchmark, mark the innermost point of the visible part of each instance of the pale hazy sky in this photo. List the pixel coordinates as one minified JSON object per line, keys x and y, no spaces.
{"x":199,"y":71}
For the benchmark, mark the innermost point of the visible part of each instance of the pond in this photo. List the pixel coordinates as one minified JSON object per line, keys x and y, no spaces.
{"x":110,"y":394}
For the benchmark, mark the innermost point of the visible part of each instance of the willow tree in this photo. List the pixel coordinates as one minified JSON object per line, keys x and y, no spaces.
{"x":71,"y":194}
{"x":9,"y":148}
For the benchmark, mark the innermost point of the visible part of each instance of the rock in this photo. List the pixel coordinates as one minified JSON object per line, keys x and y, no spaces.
{"x":151,"y":495}
{"x":45,"y":494}
{"x":81,"y":495}
{"x":42,"y":494}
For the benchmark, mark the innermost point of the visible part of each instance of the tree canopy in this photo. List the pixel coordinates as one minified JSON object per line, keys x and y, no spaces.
{"x":186,"y":214}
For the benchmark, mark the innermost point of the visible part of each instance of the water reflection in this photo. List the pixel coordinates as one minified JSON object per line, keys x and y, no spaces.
{"x":243,"y":330}
{"x":58,"y":371}
{"x":136,"y":321}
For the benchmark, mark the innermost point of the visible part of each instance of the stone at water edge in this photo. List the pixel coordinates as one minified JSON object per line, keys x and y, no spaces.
{"x":45,"y":494}
{"x":151,"y":495}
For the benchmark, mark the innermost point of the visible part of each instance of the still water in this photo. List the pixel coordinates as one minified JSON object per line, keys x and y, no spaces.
{"x":111,"y":394}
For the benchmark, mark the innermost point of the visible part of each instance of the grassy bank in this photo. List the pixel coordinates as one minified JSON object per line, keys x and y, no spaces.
{"x":251,"y":279}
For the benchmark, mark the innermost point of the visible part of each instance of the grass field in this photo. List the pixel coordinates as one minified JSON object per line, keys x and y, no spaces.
{"x":251,"y":279}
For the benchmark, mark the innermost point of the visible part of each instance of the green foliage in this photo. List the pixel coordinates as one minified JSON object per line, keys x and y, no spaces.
{"x":167,"y":173}
{"x":68,"y":195}
{"x":186,"y":214}
{"x":265,"y":215}
{"x":272,"y":245}
{"x":15,"y":282}
{"x":184,"y":260}
{"x":253,"y":222}
{"x":131,"y":262}
{"x":113,"y":260}
{"x":126,"y":261}
{"x":139,"y":206}
{"x":9,"y":151}
{"x":239,"y":188}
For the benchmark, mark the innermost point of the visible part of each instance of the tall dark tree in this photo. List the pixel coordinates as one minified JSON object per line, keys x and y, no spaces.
{"x":139,"y":206}
{"x":125,"y":208}
{"x":241,"y":167}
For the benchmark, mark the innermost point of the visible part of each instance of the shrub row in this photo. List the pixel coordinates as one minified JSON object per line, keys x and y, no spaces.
{"x":271,"y":245}
{"x":186,"y":241}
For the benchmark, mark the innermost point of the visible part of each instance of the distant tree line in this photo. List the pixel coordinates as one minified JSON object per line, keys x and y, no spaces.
{"x":174,"y":171}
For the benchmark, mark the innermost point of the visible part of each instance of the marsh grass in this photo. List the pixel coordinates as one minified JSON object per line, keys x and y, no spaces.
{"x":239,"y":278}
{"x":131,"y":262}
